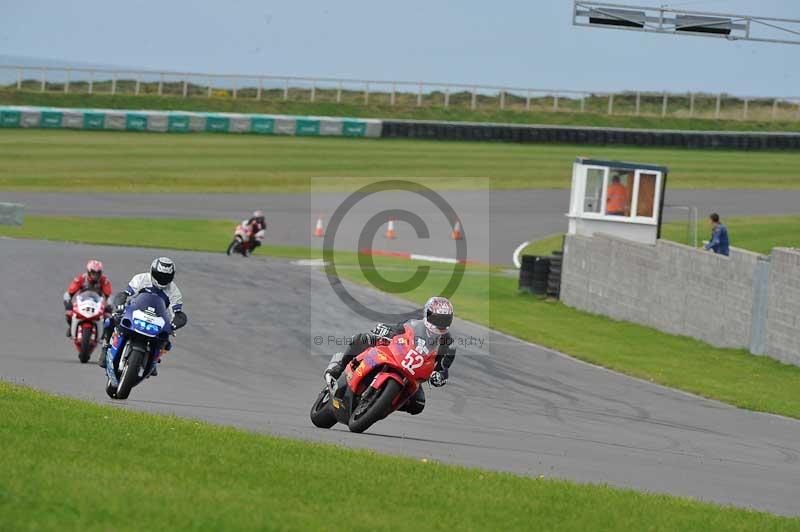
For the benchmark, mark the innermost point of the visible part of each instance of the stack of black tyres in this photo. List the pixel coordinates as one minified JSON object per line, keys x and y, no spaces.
{"x":533,"y":274}
{"x":554,"y":275}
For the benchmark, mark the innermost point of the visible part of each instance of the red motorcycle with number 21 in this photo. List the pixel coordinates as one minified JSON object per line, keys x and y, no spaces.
{"x":376,"y":383}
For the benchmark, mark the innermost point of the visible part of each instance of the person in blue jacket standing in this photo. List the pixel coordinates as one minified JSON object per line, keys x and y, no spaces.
{"x":719,"y":242}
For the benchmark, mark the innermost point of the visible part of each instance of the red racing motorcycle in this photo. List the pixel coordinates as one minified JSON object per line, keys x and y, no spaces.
{"x":376,"y":383}
{"x":243,"y":241}
{"x":86,"y":326}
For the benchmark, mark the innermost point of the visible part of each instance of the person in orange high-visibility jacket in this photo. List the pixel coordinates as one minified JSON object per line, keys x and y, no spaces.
{"x":617,"y":198}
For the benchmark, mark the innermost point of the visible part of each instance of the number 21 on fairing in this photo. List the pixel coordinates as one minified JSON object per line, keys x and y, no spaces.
{"x":412,"y":361}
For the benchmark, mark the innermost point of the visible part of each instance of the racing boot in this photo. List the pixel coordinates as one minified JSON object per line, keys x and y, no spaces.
{"x":335,"y":366}
{"x":103,"y":353}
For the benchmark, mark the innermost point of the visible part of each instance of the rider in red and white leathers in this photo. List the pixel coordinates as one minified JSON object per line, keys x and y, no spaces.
{"x":253,"y":225}
{"x":94,"y":280}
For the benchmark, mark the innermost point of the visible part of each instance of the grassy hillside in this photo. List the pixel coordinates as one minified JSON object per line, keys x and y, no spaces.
{"x":432,"y":109}
{"x":206,"y":162}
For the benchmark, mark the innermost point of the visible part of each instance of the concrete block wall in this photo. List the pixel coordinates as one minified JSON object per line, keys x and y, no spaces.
{"x":668,"y":286}
{"x":783,"y":307}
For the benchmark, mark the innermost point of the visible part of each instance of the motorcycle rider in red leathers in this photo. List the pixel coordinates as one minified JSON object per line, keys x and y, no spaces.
{"x":93,"y":280}
{"x":433,"y":327}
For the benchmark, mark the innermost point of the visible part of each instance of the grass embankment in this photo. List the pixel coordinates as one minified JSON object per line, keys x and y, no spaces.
{"x":149,"y":472}
{"x":433,"y":109}
{"x":489,"y":297}
{"x":42,"y":160}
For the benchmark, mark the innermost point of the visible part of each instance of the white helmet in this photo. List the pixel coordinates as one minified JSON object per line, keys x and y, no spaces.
{"x":162,"y":272}
{"x":438,"y":315}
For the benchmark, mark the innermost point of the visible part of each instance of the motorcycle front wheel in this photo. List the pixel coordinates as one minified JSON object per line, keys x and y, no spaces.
{"x":130,"y":373}
{"x":233,"y":247}
{"x":86,"y":345}
{"x":376,"y":407}
{"x":322,"y":415}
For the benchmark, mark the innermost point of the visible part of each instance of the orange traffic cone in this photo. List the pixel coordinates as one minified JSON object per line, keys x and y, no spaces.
{"x":319,"y":231}
{"x":456,"y":234}
{"x":390,"y":232}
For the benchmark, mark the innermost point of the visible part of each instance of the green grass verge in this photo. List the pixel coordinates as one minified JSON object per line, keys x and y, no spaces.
{"x":489,"y":297}
{"x":354,"y":107}
{"x":71,"y":465}
{"x":45,"y":160}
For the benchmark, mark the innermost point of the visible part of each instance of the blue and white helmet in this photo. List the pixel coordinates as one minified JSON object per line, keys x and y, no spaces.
{"x":438,"y":315}
{"x":162,"y":272}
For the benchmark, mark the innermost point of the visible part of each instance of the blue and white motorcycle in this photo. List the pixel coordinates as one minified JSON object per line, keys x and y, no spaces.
{"x":136,"y":346}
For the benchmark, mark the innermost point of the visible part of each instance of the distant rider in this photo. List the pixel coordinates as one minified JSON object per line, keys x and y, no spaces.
{"x":159,"y":281}
{"x":253,"y":225}
{"x":433,"y":327}
{"x":93,"y":280}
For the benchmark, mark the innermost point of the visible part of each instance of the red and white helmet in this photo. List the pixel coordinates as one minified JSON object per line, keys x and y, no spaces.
{"x":94,"y":269}
{"x":438,"y":315}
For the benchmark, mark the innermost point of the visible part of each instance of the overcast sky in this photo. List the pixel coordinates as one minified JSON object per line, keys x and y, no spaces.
{"x":517,"y":43}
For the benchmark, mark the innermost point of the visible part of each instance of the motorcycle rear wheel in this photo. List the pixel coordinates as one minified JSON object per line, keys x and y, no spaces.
{"x":86,"y":345}
{"x":322,"y":415}
{"x":380,"y":405}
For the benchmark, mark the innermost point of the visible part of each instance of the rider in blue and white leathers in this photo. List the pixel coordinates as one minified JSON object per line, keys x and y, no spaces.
{"x":160,"y":281}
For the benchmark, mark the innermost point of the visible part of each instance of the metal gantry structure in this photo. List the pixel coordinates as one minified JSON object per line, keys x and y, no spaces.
{"x":675,"y":21}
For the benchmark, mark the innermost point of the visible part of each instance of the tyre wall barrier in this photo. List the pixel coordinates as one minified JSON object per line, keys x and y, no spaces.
{"x":185,"y":122}
{"x":589,"y":135}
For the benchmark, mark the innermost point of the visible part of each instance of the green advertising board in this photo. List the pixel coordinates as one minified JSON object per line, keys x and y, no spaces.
{"x":353,"y":128}
{"x":218,"y":124}
{"x":135,"y":122}
{"x":262,"y":125}
{"x":179,"y":124}
{"x":51,"y":119}
{"x":94,"y":120}
{"x":306,"y":127}
{"x":10,"y":118}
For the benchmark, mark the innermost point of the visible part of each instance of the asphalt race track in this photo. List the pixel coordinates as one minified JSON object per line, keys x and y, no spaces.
{"x":247,"y":358}
{"x":499,"y":220}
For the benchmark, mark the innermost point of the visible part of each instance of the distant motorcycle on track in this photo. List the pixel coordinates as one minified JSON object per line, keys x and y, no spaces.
{"x":143,"y":332}
{"x":376,"y":383}
{"x":244,"y":241}
{"x":86,"y":326}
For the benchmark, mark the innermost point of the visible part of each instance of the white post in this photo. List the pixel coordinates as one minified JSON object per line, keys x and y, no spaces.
{"x":419,"y":96}
{"x":234,"y":88}
{"x":638,"y":102}
{"x":208,"y":91}
{"x":113,"y":83}
{"x":285,"y":89}
{"x":138,"y":83}
{"x":160,"y":83}
{"x":664,"y":105}
{"x":611,"y":103}
{"x":260,"y":88}
{"x":91,"y":81}
{"x":583,"y":103}
{"x":394,"y":94}
{"x":691,"y":104}
{"x":44,"y":79}
{"x":474,"y":102}
{"x":313,"y":89}
{"x":744,"y":111}
{"x":366,"y":93}
{"x":527,"y":100}
{"x":19,"y":79}
{"x":185,"y":88}
{"x":66,"y":84}
{"x":447,"y":96}
{"x":718,"y":105}
{"x":774,"y":108}
{"x":555,"y":102}
{"x":798,"y":110}
{"x":339,"y":92}
{"x":502,"y":99}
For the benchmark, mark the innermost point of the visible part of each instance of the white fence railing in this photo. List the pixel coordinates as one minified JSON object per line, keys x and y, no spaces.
{"x":396,"y":93}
